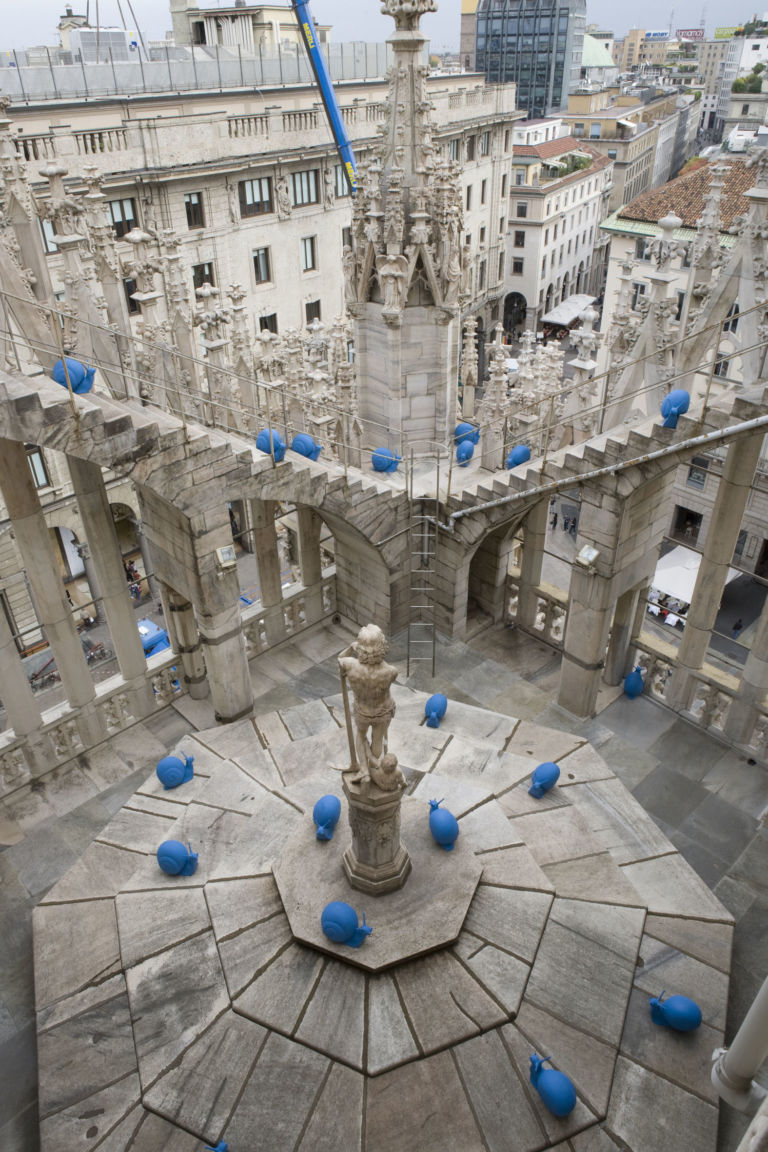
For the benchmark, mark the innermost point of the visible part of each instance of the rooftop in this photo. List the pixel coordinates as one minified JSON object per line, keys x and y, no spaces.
{"x":685,"y":196}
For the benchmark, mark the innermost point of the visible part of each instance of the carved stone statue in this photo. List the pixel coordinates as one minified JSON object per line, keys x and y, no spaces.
{"x":363,"y":667}
{"x":283,"y":197}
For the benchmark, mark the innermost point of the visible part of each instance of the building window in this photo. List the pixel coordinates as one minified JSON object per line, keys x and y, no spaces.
{"x":519,"y":176}
{"x":503,"y":185}
{"x":638,"y":290}
{"x":481,"y":276}
{"x":517,"y":266}
{"x":469,"y":197}
{"x":133,"y":305}
{"x":643,"y":248}
{"x":687,"y":524}
{"x":255,"y":196}
{"x":697,"y":472}
{"x":485,"y":144}
{"x":312,"y":310}
{"x":483,"y":191}
{"x":37,"y":467}
{"x":721,"y":366}
{"x":745,"y":109}
{"x":680,"y":305}
{"x":341,"y":184}
{"x":268,"y":323}
{"x":346,"y":237}
{"x":262,"y":265}
{"x":501,"y":266}
{"x":502,"y":225}
{"x":309,"y":254}
{"x":454,"y":150}
{"x":46,"y":231}
{"x":203,"y":274}
{"x":731,"y":322}
{"x":123,"y":216}
{"x":520,"y":238}
{"x":578,"y":129}
{"x":522,"y":209}
{"x":193,"y":203}
{"x":470,"y":147}
{"x":482,"y":236}
{"x":507,"y":138}
{"x":594,"y":131}
{"x":305,"y":188}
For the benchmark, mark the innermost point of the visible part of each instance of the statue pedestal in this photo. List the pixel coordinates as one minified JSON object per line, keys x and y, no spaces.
{"x":375,"y":862}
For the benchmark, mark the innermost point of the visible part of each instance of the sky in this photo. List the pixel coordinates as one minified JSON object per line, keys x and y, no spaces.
{"x":34,"y":22}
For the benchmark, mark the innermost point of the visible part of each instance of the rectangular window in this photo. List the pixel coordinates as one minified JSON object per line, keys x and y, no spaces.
{"x":469,"y":197}
{"x":193,"y":203}
{"x":643,"y":248}
{"x":721,"y":366}
{"x":594,"y":131}
{"x":341,"y":184}
{"x":312,"y":310}
{"x":203,"y":274}
{"x":697,"y":472}
{"x":485,"y":144}
{"x":520,"y":239}
{"x":501,"y":266}
{"x":680,"y":304}
{"x":37,"y":467}
{"x":578,"y":129}
{"x":305,"y":188}
{"x":502,"y":225}
{"x":481,"y":276}
{"x":483,"y":191}
{"x":503,"y":185}
{"x":611,"y":153}
{"x":544,"y":266}
{"x":346,"y":237}
{"x":745,"y":109}
{"x":133,"y":305}
{"x":470,"y":147}
{"x":546,"y":236}
{"x":47,"y":233}
{"x":507,"y":139}
{"x":482,"y":236}
{"x":255,"y":196}
{"x":454,"y":150}
{"x":262,"y":265}
{"x":638,"y":290}
{"x":522,"y":209}
{"x":554,"y":232}
{"x":309,"y":254}
{"x":519,"y":176}
{"x":123,"y":216}
{"x":731,"y":322}
{"x":268,"y":323}
{"x":517,"y":266}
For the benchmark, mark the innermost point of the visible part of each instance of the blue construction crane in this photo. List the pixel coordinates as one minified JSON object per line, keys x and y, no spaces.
{"x":322,"y":76}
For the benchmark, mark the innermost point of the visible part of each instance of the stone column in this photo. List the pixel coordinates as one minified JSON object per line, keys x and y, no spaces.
{"x":722,"y":535}
{"x":534,"y":540}
{"x":745,"y":708}
{"x":54,"y":613}
{"x":617,"y":661}
{"x":99,"y":526}
{"x":310,"y":525}
{"x":736,"y":1067}
{"x":375,"y":862}
{"x":225,"y":659}
{"x":147,"y":561}
{"x":182,"y":628}
{"x":270,"y":584}
{"x":20,"y":705}
{"x":97,"y":608}
{"x":589,"y":617}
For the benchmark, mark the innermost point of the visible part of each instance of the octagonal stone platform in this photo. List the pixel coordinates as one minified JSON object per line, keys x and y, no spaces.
{"x":425,"y":914}
{"x":178,"y":1009}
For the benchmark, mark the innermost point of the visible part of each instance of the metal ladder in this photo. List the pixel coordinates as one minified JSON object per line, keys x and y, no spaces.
{"x":423,"y":544}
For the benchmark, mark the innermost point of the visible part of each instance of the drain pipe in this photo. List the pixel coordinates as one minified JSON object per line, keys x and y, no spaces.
{"x":707,"y":439}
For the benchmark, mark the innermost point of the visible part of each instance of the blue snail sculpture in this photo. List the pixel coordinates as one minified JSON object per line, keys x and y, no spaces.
{"x":385,"y":460}
{"x":172,"y":771}
{"x":555,"y":1089}
{"x":518,"y":455}
{"x":466,"y":433}
{"x":678,"y":1012}
{"x":325,"y":814}
{"x":674,"y":404}
{"x":265,"y":444}
{"x":306,"y":446}
{"x":443,"y":825}
{"x":176,"y":859}
{"x":544,"y":777}
{"x":633,"y":683}
{"x":339,"y":923}
{"x":464,"y":453}
{"x":435,"y":709}
{"x":222,"y":1146}
{"x":80,"y":377}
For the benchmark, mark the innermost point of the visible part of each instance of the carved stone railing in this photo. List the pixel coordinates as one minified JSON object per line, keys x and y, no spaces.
{"x":38,"y":147}
{"x":240,"y":126}
{"x":101,"y":140}
{"x":263,"y":627}
{"x":551,"y":612}
{"x":300,"y":121}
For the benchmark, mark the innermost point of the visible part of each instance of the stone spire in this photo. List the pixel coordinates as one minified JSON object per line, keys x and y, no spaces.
{"x":405,"y":270}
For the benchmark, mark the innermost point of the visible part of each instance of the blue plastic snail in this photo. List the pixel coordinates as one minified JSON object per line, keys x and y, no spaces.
{"x":306,"y":446}
{"x":465,"y":432}
{"x":385,"y":460}
{"x":544,"y":777}
{"x":339,"y":923}
{"x":674,"y":404}
{"x":277,"y":443}
{"x":633,"y":683}
{"x":518,"y":455}
{"x":176,"y":859}
{"x":80,"y":377}
{"x":222,"y":1146}
{"x":325,"y":815}
{"x":555,"y":1089}
{"x":678,"y":1012}
{"x":464,"y":453}
{"x":172,"y":771}
{"x":443,"y":825}
{"x":435,"y":709}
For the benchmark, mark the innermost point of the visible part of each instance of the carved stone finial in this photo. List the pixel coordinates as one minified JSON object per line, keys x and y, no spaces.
{"x":407,"y":13}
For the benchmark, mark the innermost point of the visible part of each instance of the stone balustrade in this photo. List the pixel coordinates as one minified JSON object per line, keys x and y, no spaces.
{"x":550,"y":616}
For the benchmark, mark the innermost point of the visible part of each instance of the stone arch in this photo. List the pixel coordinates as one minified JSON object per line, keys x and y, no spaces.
{"x":487,"y":575}
{"x":549,"y":298}
{"x":515,"y":311}
{"x":566,"y":285}
{"x":580,"y":278}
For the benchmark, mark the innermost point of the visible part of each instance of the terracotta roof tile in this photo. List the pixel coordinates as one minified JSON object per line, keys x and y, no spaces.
{"x":549,"y":148}
{"x":685,"y":196}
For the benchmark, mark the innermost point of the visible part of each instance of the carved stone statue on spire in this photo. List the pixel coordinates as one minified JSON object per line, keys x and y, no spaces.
{"x":407,"y":13}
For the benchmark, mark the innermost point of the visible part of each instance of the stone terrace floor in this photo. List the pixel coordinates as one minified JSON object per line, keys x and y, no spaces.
{"x":709,"y":802}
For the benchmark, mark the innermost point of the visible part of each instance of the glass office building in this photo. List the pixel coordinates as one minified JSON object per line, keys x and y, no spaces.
{"x":536,"y":44}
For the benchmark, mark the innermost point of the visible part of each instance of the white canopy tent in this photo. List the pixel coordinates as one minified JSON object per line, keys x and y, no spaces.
{"x":569,"y":309}
{"x":676,"y":574}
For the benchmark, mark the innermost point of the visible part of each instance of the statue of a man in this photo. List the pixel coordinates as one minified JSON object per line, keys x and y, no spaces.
{"x":364,"y":668}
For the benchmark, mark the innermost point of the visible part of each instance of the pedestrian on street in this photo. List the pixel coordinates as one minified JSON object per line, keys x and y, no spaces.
{"x":737,"y":628}
{"x":554,"y":521}
{"x":566,"y":523}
